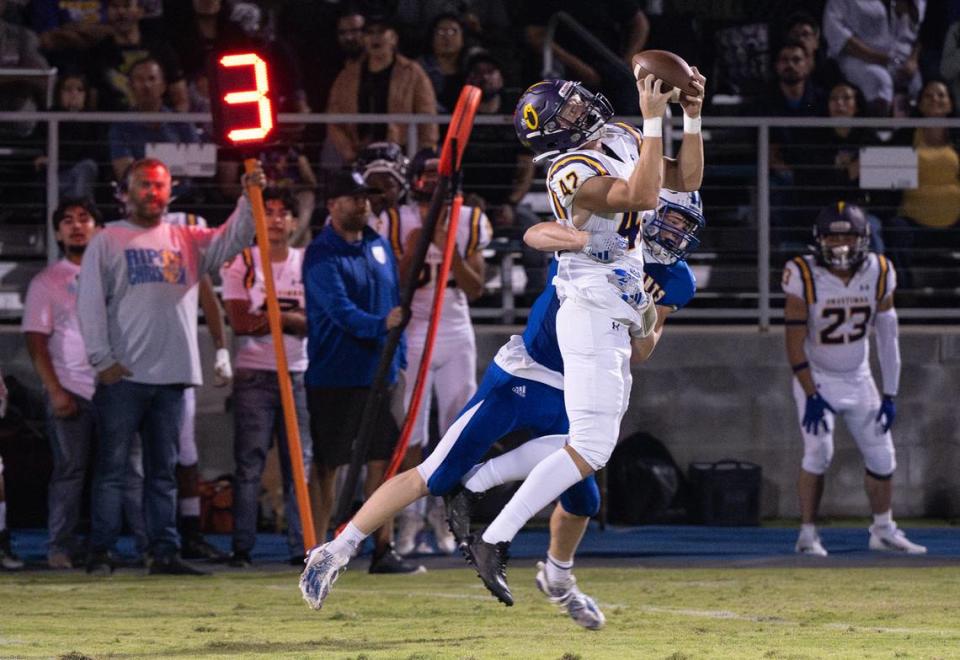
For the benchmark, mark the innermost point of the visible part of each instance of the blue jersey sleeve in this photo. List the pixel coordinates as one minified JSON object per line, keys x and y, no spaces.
{"x":540,"y":335}
{"x":670,"y":286}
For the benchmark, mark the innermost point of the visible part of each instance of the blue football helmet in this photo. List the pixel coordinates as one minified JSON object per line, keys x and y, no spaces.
{"x":672,"y":231}
{"x":554,"y":116}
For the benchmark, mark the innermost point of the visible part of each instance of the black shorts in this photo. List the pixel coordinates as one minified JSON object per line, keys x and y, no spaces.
{"x":335,"y":414}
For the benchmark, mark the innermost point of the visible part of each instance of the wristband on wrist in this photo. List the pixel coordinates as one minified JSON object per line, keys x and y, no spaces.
{"x":797,"y":368}
{"x":691,"y":124}
{"x":889,"y":396}
{"x":653,"y":128}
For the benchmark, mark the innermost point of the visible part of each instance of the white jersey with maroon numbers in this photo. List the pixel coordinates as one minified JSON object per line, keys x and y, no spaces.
{"x":578,"y":276}
{"x":840,"y":316}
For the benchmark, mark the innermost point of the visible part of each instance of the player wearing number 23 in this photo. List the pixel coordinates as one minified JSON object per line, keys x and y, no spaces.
{"x":835,"y":298}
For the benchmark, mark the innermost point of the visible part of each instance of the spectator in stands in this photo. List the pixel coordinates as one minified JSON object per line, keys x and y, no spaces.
{"x":873,"y":47}
{"x":9,"y":561}
{"x":257,"y":411}
{"x":19,"y":49}
{"x":113,"y":59}
{"x":52,"y":334}
{"x":353,"y":301}
{"x":792,"y":94}
{"x":950,"y":61}
{"x":832,"y":161}
{"x":137,"y":305}
{"x":287,"y":167}
{"x":382,"y":82}
{"x":801,"y":27}
{"x":928,"y":214}
{"x":80,"y":143}
{"x":623,"y":28}
{"x":444,"y":62}
{"x":199,"y":28}
{"x":497,"y":171}
{"x":128,"y":140}
{"x":67,"y":28}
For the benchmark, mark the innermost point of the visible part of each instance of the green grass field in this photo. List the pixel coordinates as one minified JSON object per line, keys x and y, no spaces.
{"x":675,"y":613}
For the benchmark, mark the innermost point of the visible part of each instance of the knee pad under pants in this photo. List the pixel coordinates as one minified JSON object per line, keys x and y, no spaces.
{"x":597,"y":379}
{"x":582,"y":498}
{"x":857,"y":402}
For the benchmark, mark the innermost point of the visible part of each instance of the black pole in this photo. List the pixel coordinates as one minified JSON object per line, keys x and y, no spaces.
{"x":378,"y":389}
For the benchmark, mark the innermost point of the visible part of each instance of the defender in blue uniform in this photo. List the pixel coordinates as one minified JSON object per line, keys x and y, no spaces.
{"x":523,"y":390}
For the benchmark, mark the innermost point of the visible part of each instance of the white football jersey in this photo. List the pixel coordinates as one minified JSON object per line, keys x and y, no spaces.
{"x":579,"y":276}
{"x":839,"y":316}
{"x":473,"y":233}
{"x":243,"y":280}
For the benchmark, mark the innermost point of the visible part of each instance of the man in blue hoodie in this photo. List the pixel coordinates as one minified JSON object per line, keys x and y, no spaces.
{"x":353,"y":301}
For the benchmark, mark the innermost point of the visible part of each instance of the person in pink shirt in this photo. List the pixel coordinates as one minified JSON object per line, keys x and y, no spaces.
{"x":53,"y":339}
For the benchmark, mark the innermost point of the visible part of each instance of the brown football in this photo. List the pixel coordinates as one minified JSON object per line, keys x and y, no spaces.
{"x":670,"y":68}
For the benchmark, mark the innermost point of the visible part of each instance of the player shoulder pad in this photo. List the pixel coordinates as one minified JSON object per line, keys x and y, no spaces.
{"x":798,"y":281}
{"x":568,"y":172}
{"x":480,"y":231}
{"x":624,"y":129}
{"x":672,"y":285}
{"x":886,"y":276}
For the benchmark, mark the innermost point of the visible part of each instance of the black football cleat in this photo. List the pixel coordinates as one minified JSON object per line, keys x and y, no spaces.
{"x":490,"y":562}
{"x":174,"y":565}
{"x":459,"y":504}
{"x":195,"y":546}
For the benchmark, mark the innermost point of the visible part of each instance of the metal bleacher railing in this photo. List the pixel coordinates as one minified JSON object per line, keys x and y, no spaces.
{"x":755,"y":221}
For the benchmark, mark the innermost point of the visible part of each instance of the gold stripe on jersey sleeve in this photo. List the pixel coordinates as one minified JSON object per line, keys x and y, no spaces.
{"x":250,"y":275}
{"x":809,"y":291}
{"x":393,"y":230}
{"x":882,"y":277}
{"x":474,"y":239}
{"x":637,"y":135}
{"x":558,"y":209}
{"x":191,"y":220}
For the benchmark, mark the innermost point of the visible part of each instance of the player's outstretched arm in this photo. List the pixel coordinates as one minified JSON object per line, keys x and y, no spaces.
{"x":641,"y":190}
{"x":686,"y":173}
{"x":554,"y":237}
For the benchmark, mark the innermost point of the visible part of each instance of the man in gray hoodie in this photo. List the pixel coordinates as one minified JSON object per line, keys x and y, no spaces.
{"x":137,"y":305}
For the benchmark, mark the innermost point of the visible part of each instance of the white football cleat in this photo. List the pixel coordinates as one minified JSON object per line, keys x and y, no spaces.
{"x":890,"y":538}
{"x":581,"y":607}
{"x":323,"y":569}
{"x":406,"y":527}
{"x":810,"y":545}
{"x":437,"y":517}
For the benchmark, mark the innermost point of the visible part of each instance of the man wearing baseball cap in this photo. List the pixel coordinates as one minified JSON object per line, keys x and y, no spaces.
{"x":353,"y":301}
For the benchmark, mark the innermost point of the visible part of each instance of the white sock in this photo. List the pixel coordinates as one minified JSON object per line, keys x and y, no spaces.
{"x":190,"y":506}
{"x":546,"y":482}
{"x":808,"y":529}
{"x":883,"y":519}
{"x":349,"y":540}
{"x":558,"y":572}
{"x":514,"y":465}
{"x":3,"y":515}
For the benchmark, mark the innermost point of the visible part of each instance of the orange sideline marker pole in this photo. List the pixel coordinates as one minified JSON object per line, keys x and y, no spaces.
{"x":283,"y":371}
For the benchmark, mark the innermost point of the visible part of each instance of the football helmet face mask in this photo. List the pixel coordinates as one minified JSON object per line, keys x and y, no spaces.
{"x":672,"y":231}
{"x":384,"y":158}
{"x":424,"y":173}
{"x":841,"y":236}
{"x":554,"y":116}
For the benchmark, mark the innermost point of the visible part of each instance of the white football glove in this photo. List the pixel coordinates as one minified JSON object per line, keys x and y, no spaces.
{"x":629,"y":284}
{"x":222,"y":369}
{"x":605,"y":246}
